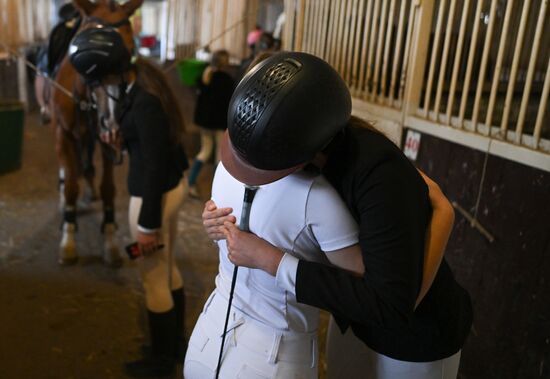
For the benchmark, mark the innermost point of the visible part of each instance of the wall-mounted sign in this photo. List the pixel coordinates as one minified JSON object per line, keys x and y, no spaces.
{"x":412,"y":144}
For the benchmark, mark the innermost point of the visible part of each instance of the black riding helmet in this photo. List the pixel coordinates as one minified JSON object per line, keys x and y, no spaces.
{"x":282,"y":113}
{"x":98,"y":52}
{"x":67,"y":12}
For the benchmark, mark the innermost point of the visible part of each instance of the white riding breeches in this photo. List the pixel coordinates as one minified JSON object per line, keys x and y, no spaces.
{"x":159,"y":272}
{"x":348,"y":357}
{"x":252,"y":350}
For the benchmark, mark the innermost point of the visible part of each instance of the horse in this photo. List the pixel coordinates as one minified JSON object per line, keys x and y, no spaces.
{"x":70,"y":118}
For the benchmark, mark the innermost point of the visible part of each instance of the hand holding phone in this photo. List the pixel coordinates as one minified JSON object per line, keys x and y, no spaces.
{"x":133,"y":250}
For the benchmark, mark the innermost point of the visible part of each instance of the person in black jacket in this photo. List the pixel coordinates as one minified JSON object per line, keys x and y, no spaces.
{"x":157,"y":161}
{"x":215,"y":90}
{"x":150,"y":128}
{"x":390,"y":202}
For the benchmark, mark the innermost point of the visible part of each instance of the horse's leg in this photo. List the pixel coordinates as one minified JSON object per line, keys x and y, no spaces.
{"x":67,"y":154}
{"x":111,"y":254}
{"x":90,"y":193}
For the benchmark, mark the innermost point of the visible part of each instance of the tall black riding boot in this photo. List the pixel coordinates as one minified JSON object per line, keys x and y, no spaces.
{"x":178,"y":296}
{"x":160,"y":362}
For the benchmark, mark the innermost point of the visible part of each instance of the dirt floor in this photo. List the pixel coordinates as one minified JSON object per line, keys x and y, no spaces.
{"x":85,"y":320}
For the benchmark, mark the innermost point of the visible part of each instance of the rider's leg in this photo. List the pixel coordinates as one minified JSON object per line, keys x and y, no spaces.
{"x":207,"y":145}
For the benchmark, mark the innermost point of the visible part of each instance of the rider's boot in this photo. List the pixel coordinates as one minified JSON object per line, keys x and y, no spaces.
{"x":160,"y":362}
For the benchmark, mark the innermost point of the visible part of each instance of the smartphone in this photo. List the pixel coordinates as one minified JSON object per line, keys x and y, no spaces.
{"x":133,"y":250}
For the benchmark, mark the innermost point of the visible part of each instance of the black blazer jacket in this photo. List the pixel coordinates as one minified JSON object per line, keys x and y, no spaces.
{"x":157,"y":162}
{"x":390,"y":202}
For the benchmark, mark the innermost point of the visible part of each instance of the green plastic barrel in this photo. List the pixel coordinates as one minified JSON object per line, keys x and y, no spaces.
{"x":190,"y":71}
{"x":12,"y":116}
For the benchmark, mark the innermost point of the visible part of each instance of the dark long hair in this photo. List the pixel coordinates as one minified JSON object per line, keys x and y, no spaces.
{"x":357,"y":122}
{"x":151,"y":78}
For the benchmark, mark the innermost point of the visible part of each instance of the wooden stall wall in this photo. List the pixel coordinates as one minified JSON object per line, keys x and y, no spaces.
{"x":509,"y":279}
{"x":227,"y":23}
{"x":23,"y":22}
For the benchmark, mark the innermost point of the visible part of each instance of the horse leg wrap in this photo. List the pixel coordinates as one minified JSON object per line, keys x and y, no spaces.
{"x":69,"y":217}
{"x":67,"y":249}
{"x":108,"y":218}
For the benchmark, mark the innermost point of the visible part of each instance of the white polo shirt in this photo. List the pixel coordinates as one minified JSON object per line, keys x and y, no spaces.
{"x":301,"y":214}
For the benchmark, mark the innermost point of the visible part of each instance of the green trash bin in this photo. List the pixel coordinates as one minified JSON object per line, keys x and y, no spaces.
{"x":190,"y":71}
{"x":12,"y":116}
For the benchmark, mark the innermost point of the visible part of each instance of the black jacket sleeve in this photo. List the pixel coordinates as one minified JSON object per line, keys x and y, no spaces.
{"x":154,"y":139}
{"x":392,"y":204}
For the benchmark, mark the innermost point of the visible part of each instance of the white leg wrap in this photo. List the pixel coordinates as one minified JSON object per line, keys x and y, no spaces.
{"x":67,"y":248}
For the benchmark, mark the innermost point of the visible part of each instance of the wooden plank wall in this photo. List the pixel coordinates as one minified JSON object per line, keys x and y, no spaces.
{"x":226,"y":22}
{"x":222,"y":24}
{"x":24,"y":22}
{"x":509,"y":279}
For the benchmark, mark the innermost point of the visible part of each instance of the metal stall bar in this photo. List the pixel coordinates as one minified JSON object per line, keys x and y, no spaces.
{"x":360,"y":34}
{"x":321,"y":40}
{"x":470,"y":65}
{"x":515,"y":64}
{"x":315,"y":27}
{"x":326,"y":26}
{"x":334,"y":34}
{"x":307,"y":26}
{"x":379,"y":49}
{"x":542,"y":107}
{"x":362,"y":69}
{"x":300,"y":25}
{"x":372,"y":44}
{"x":287,"y":31}
{"x":354,"y":34}
{"x":387,"y":44}
{"x":531,"y":70}
{"x":406,"y":53}
{"x":498,"y":67}
{"x":397,"y":53}
{"x":339,"y":44}
{"x":458,"y":57}
{"x":435,"y":53}
{"x":444,"y":58}
{"x":345,"y":40}
{"x":484,"y":60}
{"x":329,"y":40}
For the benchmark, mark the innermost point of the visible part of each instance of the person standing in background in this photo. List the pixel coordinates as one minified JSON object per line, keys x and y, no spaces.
{"x":150,"y":128}
{"x":215,"y":90}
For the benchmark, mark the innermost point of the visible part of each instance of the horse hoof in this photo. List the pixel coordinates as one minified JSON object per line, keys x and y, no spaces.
{"x":67,"y":255}
{"x":67,"y":249}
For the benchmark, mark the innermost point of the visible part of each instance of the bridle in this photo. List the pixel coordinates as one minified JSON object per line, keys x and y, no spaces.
{"x":91,"y":104}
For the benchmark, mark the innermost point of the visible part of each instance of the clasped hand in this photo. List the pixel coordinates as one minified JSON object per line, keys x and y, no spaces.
{"x":244,"y":249}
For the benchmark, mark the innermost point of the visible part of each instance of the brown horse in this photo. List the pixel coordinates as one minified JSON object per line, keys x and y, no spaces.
{"x":70,"y":120}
